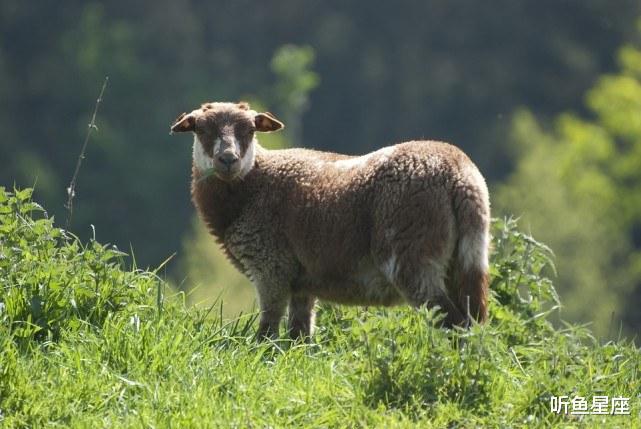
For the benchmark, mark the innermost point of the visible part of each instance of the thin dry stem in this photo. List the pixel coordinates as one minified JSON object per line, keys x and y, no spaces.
{"x":71,"y":190}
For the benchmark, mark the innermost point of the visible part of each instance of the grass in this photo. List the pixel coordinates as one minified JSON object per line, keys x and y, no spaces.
{"x":87,"y":342}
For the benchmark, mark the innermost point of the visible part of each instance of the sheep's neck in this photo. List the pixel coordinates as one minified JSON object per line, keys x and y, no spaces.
{"x":218,"y":202}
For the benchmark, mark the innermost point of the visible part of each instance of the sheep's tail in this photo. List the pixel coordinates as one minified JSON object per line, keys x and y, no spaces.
{"x":470,"y":264}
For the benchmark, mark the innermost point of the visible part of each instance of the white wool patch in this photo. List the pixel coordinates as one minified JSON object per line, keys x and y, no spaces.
{"x":473,"y":250}
{"x":202,"y":161}
{"x":247,"y":161}
{"x":389,"y":268}
{"x":358,"y":161}
{"x":347,"y":164}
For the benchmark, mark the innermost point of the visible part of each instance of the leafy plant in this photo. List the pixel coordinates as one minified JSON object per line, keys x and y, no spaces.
{"x":51,"y":282}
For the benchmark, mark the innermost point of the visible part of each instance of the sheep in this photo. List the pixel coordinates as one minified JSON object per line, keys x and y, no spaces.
{"x":408,"y":223}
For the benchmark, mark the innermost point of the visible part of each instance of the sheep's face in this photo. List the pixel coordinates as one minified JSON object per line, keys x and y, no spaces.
{"x":224,"y":140}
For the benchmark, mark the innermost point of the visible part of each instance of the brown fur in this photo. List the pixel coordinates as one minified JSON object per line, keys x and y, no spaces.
{"x":408,"y":223}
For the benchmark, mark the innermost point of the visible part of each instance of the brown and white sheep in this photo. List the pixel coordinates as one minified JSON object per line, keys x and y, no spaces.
{"x":407,"y":223}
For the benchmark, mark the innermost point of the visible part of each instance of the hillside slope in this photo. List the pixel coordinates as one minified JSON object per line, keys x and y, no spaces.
{"x":87,"y":342}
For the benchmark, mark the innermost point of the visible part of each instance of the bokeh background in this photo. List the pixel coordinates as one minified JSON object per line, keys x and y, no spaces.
{"x":544,"y":95}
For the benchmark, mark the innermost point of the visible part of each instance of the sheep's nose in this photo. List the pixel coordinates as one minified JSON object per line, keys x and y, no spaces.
{"x":227,"y":159}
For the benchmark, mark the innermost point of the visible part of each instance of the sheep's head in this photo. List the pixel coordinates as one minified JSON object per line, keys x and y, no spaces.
{"x":224,"y":139}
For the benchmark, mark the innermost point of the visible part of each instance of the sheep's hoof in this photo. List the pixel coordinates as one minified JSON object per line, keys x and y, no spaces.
{"x":266,"y":333}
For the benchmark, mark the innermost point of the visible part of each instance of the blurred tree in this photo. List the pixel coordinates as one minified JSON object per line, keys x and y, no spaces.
{"x":578,"y":187}
{"x":295,"y":81}
{"x":206,"y":274}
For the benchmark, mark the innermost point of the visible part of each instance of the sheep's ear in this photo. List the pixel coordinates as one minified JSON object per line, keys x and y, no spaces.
{"x":266,"y":122}
{"x":184,"y":123}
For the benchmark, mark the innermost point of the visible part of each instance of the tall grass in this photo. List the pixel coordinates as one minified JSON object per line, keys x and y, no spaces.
{"x":86,"y":341}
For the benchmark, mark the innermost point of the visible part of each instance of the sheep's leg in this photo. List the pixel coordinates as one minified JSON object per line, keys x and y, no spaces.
{"x":270,"y":268}
{"x":301,"y":316}
{"x":273,"y":302}
{"x":453,"y":316}
{"x":424,"y":285}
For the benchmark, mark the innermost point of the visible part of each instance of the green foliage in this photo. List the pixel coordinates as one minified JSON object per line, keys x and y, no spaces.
{"x":292,"y":66}
{"x":137,"y":366}
{"x":295,"y":80}
{"x":51,"y":282}
{"x":577,"y":187}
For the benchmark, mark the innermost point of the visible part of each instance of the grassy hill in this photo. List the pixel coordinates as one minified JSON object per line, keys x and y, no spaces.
{"x":87,"y":342}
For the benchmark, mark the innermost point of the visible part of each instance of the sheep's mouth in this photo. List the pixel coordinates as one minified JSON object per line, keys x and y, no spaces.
{"x":228,"y":176}
{"x":220,"y":173}
{"x":225,"y":176}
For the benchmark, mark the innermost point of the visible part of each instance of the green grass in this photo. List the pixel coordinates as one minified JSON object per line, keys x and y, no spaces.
{"x":87,"y":342}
